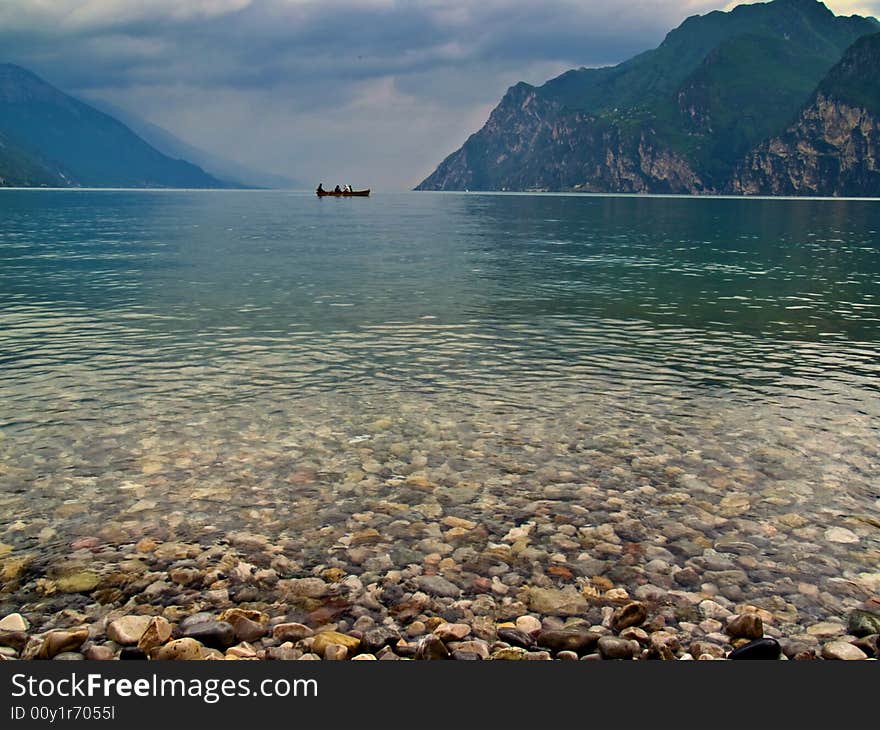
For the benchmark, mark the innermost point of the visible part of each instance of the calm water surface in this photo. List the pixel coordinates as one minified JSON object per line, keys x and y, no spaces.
{"x":183,"y":364}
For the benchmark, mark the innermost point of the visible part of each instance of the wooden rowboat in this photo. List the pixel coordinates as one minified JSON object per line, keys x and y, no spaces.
{"x":352,"y":194}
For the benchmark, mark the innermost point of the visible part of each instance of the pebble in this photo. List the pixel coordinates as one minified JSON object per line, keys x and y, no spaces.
{"x":291,"y":632}
{"x":158,"y":631}
{"x":863,"y":623}
{"x":841,"y":535}
{"x":436,"y":585}
{"x":186,"y":649}
{"x":516,"y":637}
{"x":612,"y":647}
{"x":335,"y":653}
{"x":62,"y":640}
{"x":632,"y":614}
{"x":826,"y":630}
{"x":128,"y":630}
{"x":842,"y":650}
{"x":765,"y":648}
{"x":212,"y":634}
{"x":14,"y":622}
{"x":557,"y":602}
{"x":579,"y":640}
{"x":431,"y":648}
{"x":528,"y":625}
{"x":325,"y":638}
{"x":447,"y":632}
{"x":745,"y":626}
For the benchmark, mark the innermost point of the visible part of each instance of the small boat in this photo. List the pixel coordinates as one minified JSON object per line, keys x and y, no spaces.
{"x":342,"y":194}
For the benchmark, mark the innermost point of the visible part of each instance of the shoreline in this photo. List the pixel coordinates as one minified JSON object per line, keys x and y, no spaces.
{"x":245,"y":600}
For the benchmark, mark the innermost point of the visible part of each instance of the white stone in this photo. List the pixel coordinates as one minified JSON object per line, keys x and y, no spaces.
{"x":14,"y":622}
{"x":842,"y":650}
{"x":128,"y":630}
{"x":841,"y":534}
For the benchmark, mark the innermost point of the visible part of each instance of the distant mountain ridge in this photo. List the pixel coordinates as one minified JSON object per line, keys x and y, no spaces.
{"x":169,"y":144}
{"x":48,"y":138}
{"x":681,"y":118}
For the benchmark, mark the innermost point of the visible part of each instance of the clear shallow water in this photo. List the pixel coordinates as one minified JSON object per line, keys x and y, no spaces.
{"x":184,"y":364}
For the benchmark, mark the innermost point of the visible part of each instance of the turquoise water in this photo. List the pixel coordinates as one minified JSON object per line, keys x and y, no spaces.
{"x":188,"y":352}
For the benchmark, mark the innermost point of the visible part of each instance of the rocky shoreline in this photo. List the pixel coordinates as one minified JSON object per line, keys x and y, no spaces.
{"x":244,"y":599}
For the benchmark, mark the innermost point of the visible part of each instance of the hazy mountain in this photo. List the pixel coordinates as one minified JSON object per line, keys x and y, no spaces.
{"x":680,"y":118}
{"x":50,"y":138}
{"x":171,"y":145}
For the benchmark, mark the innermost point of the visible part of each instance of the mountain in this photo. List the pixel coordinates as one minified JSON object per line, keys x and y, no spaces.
{"x":48,"y":138}
{"x":833,"y":148}
{"x":678,"y":119}
{"x":172,"y":146}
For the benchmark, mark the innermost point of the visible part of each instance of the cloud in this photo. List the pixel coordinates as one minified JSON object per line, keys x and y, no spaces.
{"x":383,"y":88}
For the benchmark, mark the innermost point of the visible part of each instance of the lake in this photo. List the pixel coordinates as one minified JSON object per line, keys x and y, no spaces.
{"x":675,"y":396}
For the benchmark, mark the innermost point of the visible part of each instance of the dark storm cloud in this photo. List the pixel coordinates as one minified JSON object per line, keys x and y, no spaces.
{"x":290,"y":85}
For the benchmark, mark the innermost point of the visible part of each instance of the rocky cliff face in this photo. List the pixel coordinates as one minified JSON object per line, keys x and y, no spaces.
{"x":832,"y":149}
{"x":530,"y":142}
{"x":709,"y":111}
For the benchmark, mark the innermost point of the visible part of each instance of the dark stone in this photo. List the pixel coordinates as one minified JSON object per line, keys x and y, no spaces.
{"x":611,"y":647}
{"x":132,"y":653}
{"x":13,"y":639}
{"x":374,"y":639}
{"x":686,"y":577}
{"x":579,"y":640}
{"x":250,"y":631}
{"x":515,"y":637}
{"x":282,"y":654}
{"x":766,"y":648}
{"x":407,"y":650}
{"x":466,"y":656}
{"x":197,"y":618}
{"x":213,"y":634}
{"x":791,"y":647}
{"x":632,"y":614}
{"x":869,"y":644}
{"x":437,"y":585}
{"x":863,"y":623}
{"x":431,"y":648}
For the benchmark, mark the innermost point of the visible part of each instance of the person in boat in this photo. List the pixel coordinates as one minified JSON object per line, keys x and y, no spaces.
{"x":321,"y":187}
{"x":337,"y":189}
{"x":348,"y":188}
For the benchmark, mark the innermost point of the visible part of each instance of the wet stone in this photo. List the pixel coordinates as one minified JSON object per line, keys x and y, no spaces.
{"x":61,"y":640}
{"x":452,"y":632}
{"x":186,"y":649}
{"x":292,"y":632}
{"x":13,"y":639}
{"x":325,"y":638}
{"x":863,"y":623}
{"x":431,"y":648}
{"x":132,"y":653}
{"x":436,"y":585}
{"x":213,"y":634}
{"x":515,"y":637}
{"x":765,"y":649}
{"x":158,"y":631}
{"x":842,"y":650}
{"x":579,"y":640}
{"x":611,"y":647}
{"x":745,"y":626}
{"x":632,"y":614}
{"x":14,"y":622}
{"x":375,"y":639}
{"x":127,"y":631}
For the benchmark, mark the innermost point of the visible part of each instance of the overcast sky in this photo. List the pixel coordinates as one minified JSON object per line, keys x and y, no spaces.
{"x":372,"y":92}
